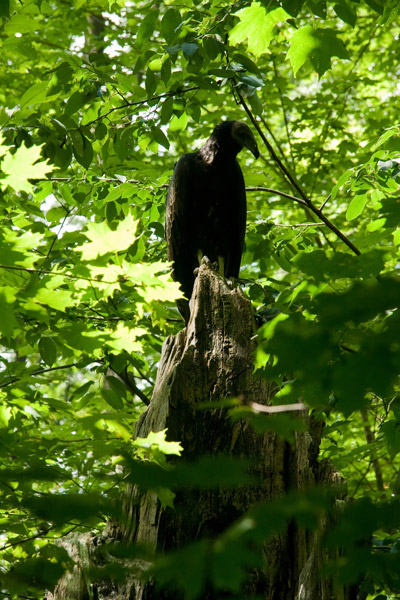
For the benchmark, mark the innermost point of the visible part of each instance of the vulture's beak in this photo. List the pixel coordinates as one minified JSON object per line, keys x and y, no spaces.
{"x":251,"y":144}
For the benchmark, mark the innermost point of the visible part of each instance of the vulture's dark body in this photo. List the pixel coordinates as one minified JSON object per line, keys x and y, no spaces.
{"x":206,"y":209}
{"x":213,"y":220}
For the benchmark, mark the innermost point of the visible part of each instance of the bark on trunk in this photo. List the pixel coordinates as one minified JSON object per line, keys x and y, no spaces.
{"x":212,"y":359}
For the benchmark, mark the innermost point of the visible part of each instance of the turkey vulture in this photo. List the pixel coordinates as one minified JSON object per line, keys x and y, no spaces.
{"x":206,"y":207}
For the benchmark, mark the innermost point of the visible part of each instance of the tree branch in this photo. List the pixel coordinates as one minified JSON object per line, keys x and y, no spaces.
{"x":47,"y":272}
{"x":277,"y":192}
{"x":129,"y":381}
{"x":141,"y":102}
{"x":314,"y":224}
{"x":38,"y":372}
{"x":305,"y":199}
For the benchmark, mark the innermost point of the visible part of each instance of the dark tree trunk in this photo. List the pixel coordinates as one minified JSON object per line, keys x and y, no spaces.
{"x":212,"y":359}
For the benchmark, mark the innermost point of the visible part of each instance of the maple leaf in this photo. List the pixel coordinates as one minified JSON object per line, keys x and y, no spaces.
{"x":22,"y":166}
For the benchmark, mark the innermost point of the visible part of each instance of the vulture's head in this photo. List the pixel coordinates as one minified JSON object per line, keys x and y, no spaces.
{"x":227,"y":140}
{"x":244,"y":137}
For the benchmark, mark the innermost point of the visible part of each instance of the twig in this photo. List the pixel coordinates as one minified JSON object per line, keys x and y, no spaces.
{"x":39,"y":372}
{"x":333,"y":228}
{"x":277,"y":192}
{"x":129,"y":382}
{"x":325,"y":201}
{"x":299,"y":224}
{"x":28,"y":539}
{"x":46,"y":272}
{"x":141,"y":102}
{"x":277,"y":409}
{"x":38,"y":535}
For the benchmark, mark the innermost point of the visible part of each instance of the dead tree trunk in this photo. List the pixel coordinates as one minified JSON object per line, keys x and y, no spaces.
{"x":212,"y":359}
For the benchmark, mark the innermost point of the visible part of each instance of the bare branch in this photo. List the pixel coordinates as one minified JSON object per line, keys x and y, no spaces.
{"x":277,"y":409}
{"x":47,"y":272}
{"x":316,"y":224}
{"x":277,"y":192}
{"x":141,"y":102}
{"x":39,"y":372}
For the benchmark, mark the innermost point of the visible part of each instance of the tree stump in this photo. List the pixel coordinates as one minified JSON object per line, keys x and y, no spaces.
{"x":209,"y":360}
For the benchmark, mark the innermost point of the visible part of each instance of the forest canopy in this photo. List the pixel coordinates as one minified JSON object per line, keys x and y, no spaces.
{"x":98,"y":99}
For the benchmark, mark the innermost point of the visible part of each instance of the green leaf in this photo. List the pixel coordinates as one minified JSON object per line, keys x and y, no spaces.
{"x":57,"y":299}
{"x":150,"y":83}
{"x":166,"y":497}
{"x":346,"y":13}
{"x":100,"y":131}
{"x":55,"y":214}
{"x":170,"y":24}
{"x":5,"y":415}
{"x":34,"y":573}
{"x":8,"y":321}
{"x":75,"y":102}
{"x":316,"y":46}
{"x":166,"y":71}
{"x":112,"y":399}
{"x":146,"y":28}
{"x":247,"y":63}
{"x":160,"y":137}
{"x":36,"y":94}
{"x":83,"y":149}
{"x":24,"y":165}
{"x":155,"y":65}
{"x":257,"y":27}
{"x":213,"y":47}
{"x":61,"y":508}
{"x":158,"y":440}
{"x":123,"y":339}
{"x":251,"y":81}
{"x":21,"y":23}
{"x":356,"y":206}
{"x":318,"y":8}
{"x":375,"y":5}
{"x":392,"y":131}
{"x":81,"y":390}
{"x":167,"y":110}
{"x":178,"y":123}
{"x":116,"y":385}
{"x":189,"y":49}
{"x":390,"y":430}
{"x":293,"y":7}
{"x":5,"y":8}
{"x":340,"y":265}
{"x":105,"y":240}
{"x":256,"y":104}
{"x":48,"y":350}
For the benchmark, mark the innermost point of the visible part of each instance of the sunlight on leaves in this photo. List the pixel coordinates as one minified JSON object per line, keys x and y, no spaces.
{"x":22,"y":165}
{"x":317,"y":46}
{"x":256,"y":25}
{"x":104,"y":240}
